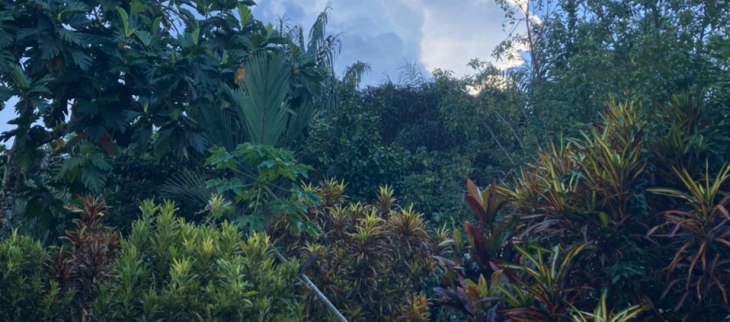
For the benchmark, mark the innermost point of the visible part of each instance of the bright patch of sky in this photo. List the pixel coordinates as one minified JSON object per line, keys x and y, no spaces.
{"x":388,"y":33}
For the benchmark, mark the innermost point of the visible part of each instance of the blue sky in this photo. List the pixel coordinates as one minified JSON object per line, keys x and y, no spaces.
{"x":386,"y":34}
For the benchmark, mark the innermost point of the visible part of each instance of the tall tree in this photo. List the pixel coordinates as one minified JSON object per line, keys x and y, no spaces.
{"x":129,"y":73}
{"x":583,"y":53}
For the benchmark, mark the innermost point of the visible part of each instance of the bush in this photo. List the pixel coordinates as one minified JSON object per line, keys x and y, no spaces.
{"x":608,"y":217}
{"x":422,"y":138}
{"x":373,"y":261}
{"x":166,"y":270}
{"x":172,"y":270}
{"x":85,"y":261}
{"x":26,"y":294}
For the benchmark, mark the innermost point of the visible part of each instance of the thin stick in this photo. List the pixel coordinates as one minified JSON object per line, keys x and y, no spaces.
{"x":313,"y":288}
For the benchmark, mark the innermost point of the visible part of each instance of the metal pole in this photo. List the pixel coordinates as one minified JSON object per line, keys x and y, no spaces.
{"x":314,"y":289}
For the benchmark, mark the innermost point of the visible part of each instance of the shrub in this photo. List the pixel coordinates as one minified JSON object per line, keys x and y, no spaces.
{"x":587,"y":218}
{"x":172,"y":270}
{"x":371,"y":260}
{"x":86,"y":260}
{"x":26,"y":293}
{"x":601,"y":313}
{"x":699,"y":234}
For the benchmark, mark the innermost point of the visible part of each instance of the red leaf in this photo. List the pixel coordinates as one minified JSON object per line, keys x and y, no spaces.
{"x":474,"y":200}
{"x":478,"y":243}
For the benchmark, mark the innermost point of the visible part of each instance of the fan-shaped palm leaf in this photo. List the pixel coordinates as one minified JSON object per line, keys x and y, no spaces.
{"x":262,"y":100}
{"x":189,"y":186}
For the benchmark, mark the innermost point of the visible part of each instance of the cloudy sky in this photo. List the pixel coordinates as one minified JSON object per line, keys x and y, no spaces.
{"x":386,"y":33}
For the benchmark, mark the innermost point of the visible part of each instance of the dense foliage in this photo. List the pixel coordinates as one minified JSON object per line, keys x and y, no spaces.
{"x":170,"y":79}
{"x":603,"y":157}
{"x":166,"y":269}
{"x":374,"y":261}
{"x":25,"y":290}
{"x":591,"y":218}
{"x":423,"y":138}
{"x":178,"y":271}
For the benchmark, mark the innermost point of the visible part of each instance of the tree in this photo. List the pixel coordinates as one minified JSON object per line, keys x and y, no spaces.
{"x":137,"y":74}
{"x":584,"y":53}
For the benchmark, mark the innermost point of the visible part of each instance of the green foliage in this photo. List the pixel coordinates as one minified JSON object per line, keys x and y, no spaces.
{"x":259,"y":177}
{"x":200,"y":101}
{"x":86,"y":260}
{"x":545,"y":277}
{"x":593,"y":196}
{"x":687,"y":133}
{"x":271,"y":163}
{"x":346,"y":144}
{"x":603,"y":314}
{"x":422,"y":138}
{"x":262,"y":98}
{"x":26,"y":293}
{"x":172,"y":270}
{"x":139,"y":176}
{"x":87,"y":165}
{"x":582,"y":53}
{"x":177,"y":61}
{"x":491,"y":238}
{"x":153,"y":77}
{"x":166,"y":270}
{"x":39,"y":202}
{"x":370,"y":260}
{"x":700,"y":234}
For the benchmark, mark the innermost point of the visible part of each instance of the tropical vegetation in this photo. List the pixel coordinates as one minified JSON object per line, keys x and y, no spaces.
{"x":184,"y":161}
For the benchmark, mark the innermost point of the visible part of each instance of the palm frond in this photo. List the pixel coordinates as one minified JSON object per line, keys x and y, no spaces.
{"x":262,"y":102}
{"x":187,"y":185}
{"x":321,"y":45}
{"x":221,"y":126}
{"x":355,"y":72}
{"x":300,"y":119}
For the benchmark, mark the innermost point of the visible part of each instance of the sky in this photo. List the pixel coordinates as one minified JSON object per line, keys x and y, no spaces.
{"x":387,"y":34}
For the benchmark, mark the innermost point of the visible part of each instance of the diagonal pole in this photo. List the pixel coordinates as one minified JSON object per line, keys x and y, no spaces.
{"x":313,"y":288}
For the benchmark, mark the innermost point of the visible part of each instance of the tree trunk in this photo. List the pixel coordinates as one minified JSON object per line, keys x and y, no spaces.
{"x":7,"y":193}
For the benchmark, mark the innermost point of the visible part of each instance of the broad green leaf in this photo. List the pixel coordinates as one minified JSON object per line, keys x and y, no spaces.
{"x":155,"y":28}
{"x":244,"y":14}
{"x":49,"y":48}
{"x":144,"y":36}
{"x":136,"y":7}
{"x":196,"y":35}
{"x":224,"y":57}
{"x":125,"y":20}
{"x":81,"y":59}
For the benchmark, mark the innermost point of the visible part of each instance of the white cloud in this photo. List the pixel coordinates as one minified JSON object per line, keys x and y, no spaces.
{"x":455,"y":32}
{"x":384,"y":33}
{"x":513,"y":57}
